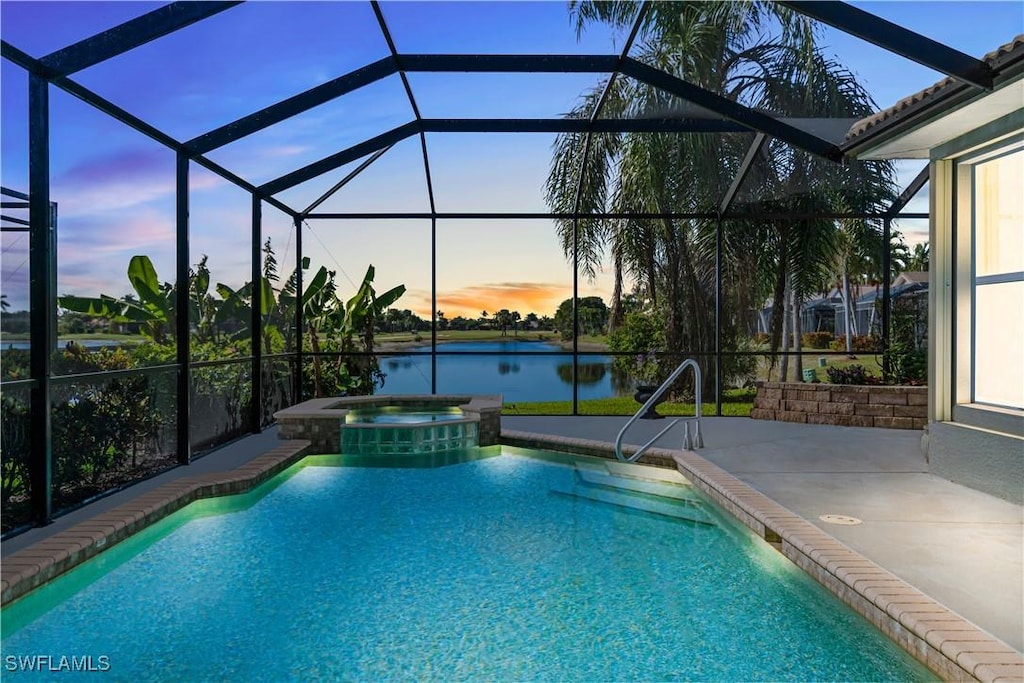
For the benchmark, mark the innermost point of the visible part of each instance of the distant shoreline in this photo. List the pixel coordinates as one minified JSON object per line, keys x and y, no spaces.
{"x":398,"y":346}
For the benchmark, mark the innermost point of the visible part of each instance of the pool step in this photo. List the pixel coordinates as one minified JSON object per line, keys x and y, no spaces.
{"x":645,"y":472}
{"x":658,"y":489}
{"x":674,"y":500}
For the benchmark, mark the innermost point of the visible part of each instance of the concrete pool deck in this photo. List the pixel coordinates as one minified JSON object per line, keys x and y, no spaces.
{"x":960,"y":547}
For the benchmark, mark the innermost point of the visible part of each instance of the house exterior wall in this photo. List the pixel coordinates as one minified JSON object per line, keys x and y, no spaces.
{"x":970,"y":443}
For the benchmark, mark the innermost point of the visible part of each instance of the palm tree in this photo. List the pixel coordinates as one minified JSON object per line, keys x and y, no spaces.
{"x":719,"y":47}
{"x":919,"y":258}
{"x":503,"y":318}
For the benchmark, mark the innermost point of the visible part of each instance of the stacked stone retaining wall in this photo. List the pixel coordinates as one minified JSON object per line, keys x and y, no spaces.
{"x":848,"y":405}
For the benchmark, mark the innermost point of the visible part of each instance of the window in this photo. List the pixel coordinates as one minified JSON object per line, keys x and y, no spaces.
{"x":997,"y":280}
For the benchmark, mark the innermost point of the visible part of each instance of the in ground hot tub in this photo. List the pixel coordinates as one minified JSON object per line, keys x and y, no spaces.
{"x":393,"y":425}
{"x":398,"y":430}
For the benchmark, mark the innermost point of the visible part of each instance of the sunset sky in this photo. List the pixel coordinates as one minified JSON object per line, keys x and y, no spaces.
{"x":115,"y":187}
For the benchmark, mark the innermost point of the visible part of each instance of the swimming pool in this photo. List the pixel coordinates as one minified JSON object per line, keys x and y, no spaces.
{"x":504,"y":566}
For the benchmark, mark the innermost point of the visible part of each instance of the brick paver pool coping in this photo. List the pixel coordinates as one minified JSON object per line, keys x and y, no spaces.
{"x":949,"y":645}
{"x":33,"y":566}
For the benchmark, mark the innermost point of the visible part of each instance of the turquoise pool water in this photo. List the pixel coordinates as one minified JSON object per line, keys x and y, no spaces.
{"x":491,"y":568}
{"x":400,"y":415}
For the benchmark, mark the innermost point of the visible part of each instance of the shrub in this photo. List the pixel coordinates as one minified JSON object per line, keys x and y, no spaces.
{"x":851,"y":374}
{"x":107,"y":430}
{"x":762,"y":338}
{"x":740,"y":370}
{"x":639,"y":332}
{"x":15,"y":435}
{"x":906,"y":358}
{"x":861,"y":343}
{"x":817,"y":340}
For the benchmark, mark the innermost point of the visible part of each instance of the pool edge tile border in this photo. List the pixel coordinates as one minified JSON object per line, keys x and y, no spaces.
{"x":31,"y":567}
{"x":943,"y":641}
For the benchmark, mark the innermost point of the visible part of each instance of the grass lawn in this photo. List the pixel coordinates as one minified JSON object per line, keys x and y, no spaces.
{"x":868,"y":359}
{"x":735,"y":403}
{"x":90,"y":336}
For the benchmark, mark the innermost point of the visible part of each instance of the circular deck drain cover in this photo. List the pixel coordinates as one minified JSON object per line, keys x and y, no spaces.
{"x":840,"y":519}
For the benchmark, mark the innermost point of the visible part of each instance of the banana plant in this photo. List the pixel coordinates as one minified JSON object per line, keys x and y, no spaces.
{"x":236,"y":305}
{"x":363,"y":309}
{"x":153,"y":308}
{"x":324,"y":313}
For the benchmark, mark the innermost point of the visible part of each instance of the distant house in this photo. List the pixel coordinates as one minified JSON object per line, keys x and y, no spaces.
{"x":973,"y":139}
{"x":828,"y":314}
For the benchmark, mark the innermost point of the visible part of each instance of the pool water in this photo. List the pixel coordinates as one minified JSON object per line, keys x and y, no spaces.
{"x":400,"y":415}
{"x":489,"y":569}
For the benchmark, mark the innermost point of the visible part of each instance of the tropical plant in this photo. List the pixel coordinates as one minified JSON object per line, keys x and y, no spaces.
{"x":347,"y":327}
{"x":720,"y":47}
{"x":851,"y":374}
{"x":919,"y":257}
{"x":153,"y":309}
{"x":905,"y":359}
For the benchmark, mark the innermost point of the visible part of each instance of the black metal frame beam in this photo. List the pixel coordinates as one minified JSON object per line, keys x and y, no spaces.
{"x":753,"y":120}
{"x":14,"y":193}
{"x":256,"y":316}
{"x":589,"y":131}
{"x":407,"y":130}
{"x":18,"y":221}
{"x":385,"y":67}
{"x":886,"y":297}
{"x":340,"y":158}
{"x":741,"y":173}
{"x":33,"y":66}
{"x":129,"y":35}
{"x":397,"y":60}
{"x":440,"y":63}
{"x":299,"y":316}
{"x":919,"y":181}
{"x":707,"y":215}
{"x":896,"y":39}
{"x":658,"y":125}
{"x":285,"y":109}
{"x":42,"y":302}
{"x":345,"y":181}
{"x":182,"y":328}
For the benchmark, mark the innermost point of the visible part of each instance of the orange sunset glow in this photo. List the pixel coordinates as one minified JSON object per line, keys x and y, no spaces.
{"x":526,"y":297}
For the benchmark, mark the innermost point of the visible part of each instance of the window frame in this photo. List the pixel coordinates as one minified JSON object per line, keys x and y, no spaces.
{"x":966,"y":409}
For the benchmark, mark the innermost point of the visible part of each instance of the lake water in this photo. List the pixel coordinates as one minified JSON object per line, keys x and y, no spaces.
{"x":518,"y":372}
{"x":61,"y":343}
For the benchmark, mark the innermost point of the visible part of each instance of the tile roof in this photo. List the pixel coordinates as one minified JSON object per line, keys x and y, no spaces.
{"x":914,"y":276}
{"x":999,"y":59}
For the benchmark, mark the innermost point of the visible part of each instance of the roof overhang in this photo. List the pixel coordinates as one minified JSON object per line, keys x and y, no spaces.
{"x":956,"y":117}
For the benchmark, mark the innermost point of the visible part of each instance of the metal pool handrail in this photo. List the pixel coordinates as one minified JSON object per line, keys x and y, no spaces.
{"x":698,"y":440}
